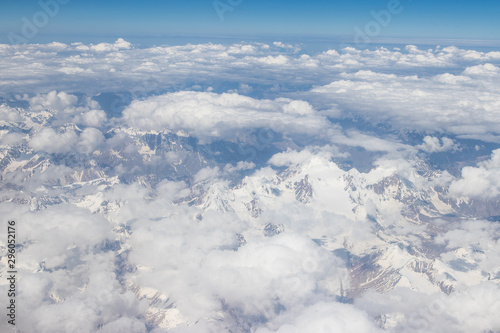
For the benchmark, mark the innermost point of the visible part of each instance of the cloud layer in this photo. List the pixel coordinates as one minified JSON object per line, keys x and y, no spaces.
{"x":251,"y":187}
{"x":442,"y":89}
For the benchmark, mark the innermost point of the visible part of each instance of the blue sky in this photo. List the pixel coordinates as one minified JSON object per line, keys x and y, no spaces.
{"x":99,"y":19}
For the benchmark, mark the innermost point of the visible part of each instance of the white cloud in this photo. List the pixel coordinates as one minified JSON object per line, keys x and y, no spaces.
{"x":252,"y":279}
{"x":206,"y":173}
{"x":202,"y":243}
{"x":209,"y":115}
{"x":67,"y":283}
{"x":482,"y":181}
{"x":9,"y":114}
{"x":53,"y":142}
{"x":299,"y":108}
{"x":405,"y":310}
{"x":274,"y":60}
{"x":57,"y":101}
{"x":369,"y":142}
{"x":11,"y":139}
{"x":119,"y":44}
{"x":292,"y":157}
{"x":89,"y":140}
{"x":375,"y":84}
{"x":241,"y":165}
{"x":451,"y":79}
{"x":67,"y":108}
{"x":324,"y":318}
{"x":433,"y":145}
{"x":482,"y":70}
{"x":442,"y":103}
{"x":93,"y":118}
{"x":72,"y":70}
{"x":285,"y":45}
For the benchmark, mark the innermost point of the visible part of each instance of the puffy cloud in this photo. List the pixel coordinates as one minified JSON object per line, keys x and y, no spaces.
{"x":404,"y":310}
{"x":119,"y":66}
{"x":66,"y":108}
{"x":68,"y":281}
{"x":482,"y":181}
{"x":58,"y":101}
{"x":53,"y":142}
{"x":206,"y":173}
{"x":9,"y":114}
{"x":442,"y":103}
{"x":292,"y":157}
{"x":324,"y":318}
{"x":274,"y":60}
{"x":209,"y":115}
{"x":119,"y":44}
{"x":482,"y":70}
{"x":240,"y":166}
{"x":11,"y":139}
{"x":298,"y":107}
{"x":433,"y":145}
{"x":240,"y":247}
{"x":89,"y":139}
{"x":286,"y":46}
{"x":93,"y":118}
{"x":52,"y":224}
{"x":253,"y":279}
{"x":235,"y":274}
